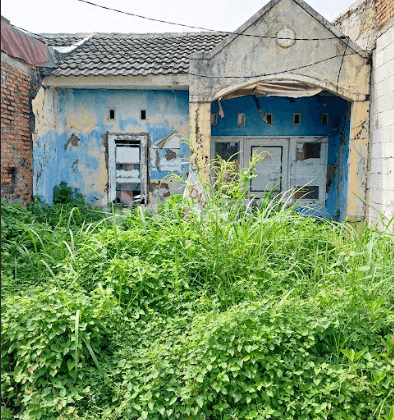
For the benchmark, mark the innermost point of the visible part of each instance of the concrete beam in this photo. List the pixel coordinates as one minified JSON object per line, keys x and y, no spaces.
{"x":152,"y":82}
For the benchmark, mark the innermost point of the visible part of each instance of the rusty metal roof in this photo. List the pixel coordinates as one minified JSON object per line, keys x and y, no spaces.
{"x":131,"y":54}
{"x":22,"y":44}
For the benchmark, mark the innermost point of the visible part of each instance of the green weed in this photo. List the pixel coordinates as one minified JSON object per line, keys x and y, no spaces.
{"x":215,"y":311}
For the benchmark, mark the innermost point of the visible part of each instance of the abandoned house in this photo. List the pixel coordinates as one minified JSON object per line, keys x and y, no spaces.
{"x":112,"y":117}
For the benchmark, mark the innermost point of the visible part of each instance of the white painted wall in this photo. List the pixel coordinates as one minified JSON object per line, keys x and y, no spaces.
{"x":381,"y":163}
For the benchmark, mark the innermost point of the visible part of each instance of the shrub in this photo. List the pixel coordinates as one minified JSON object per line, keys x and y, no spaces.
{"x":50,"y":341}
{"x":220,"y":311}
{"x":63,"y":194}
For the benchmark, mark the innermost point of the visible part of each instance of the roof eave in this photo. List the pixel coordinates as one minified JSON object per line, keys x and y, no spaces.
{"x":150,"y":81}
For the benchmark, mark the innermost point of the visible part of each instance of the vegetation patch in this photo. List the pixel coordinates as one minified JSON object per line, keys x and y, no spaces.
{"x":197,"y":311}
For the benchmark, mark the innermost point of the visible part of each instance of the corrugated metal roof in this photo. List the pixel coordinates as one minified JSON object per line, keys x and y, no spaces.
{"x":24,"y":45}
{"x":132,"y":54}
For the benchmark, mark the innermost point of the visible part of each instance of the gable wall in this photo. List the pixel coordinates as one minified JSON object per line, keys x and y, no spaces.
{"x":247,"y":58}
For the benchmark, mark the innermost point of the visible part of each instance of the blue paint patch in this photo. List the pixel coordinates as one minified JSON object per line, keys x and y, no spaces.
{"x":282,"y":109}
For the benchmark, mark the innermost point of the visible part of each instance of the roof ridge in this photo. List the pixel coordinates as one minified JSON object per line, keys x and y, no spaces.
{"x":133,"y":34}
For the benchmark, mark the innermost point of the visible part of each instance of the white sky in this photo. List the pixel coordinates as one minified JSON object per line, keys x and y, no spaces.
{"x":72,"y":16}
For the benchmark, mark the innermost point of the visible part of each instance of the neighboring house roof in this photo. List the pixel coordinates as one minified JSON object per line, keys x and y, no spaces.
{"x":131,"y":54}
{"x":24,"y":45}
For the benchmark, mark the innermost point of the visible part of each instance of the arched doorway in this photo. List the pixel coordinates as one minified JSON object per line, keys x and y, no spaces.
{"x":302,"y":132}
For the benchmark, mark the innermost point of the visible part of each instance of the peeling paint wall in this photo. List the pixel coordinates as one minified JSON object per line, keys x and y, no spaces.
{"x":70,"y":137}
{"x":335,"y":65}
{"x":370,"y":23}
{"x":358,"y":159}
{"x":200,"y":136}
{"x":364,"y":20}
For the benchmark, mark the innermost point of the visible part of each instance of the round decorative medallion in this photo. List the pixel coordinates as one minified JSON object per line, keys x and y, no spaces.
{"x":285,"y":37}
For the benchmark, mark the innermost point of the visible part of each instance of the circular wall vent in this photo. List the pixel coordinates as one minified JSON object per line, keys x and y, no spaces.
{"x":285,"y":37}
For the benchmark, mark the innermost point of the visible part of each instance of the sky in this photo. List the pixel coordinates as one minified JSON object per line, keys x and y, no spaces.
{"x":74,"y":16}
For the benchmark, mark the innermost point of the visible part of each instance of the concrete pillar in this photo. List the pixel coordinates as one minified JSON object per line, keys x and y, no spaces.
{"x":358,"y":158}
{"x":200,"y":136}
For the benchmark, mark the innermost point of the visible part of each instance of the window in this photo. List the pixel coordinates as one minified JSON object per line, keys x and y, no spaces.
{"x":241,"y":118}
{"x":227,"y":150}
{"x":127,"y":157}
{"x":308,"y":150}
{"x":296,"y":119}
{"x":306,"y":192}
{"x":143,"y":114}
{"x":269,"y":119}
{"x":111,"y":114}
{"x":325,"y":119}
{"x":214,"y":119}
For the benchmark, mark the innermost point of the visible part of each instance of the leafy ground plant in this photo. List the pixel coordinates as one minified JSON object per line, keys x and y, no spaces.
{"x":220,"y":311}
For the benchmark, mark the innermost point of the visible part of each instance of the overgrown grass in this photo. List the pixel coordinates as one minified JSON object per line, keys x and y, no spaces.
{"x":195,"y":312}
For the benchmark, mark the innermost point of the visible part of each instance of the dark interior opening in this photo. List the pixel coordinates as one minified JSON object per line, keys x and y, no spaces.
{"x":308,"y":151}
{"x":227,"y":150}
{"x":296,"y":119}
{"x":307,"y":193}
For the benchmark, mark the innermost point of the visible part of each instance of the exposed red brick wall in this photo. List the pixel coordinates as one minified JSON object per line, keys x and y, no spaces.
{"x":384,"y":11}
{"x":16,"y":141}
{"x":363,"y":22}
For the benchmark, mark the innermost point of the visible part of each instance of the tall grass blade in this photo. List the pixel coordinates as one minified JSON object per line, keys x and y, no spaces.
{"x":96,"y":362}
{"x":76,"y":335}
{"x":74,"y":209}
{"x":49,"y":268}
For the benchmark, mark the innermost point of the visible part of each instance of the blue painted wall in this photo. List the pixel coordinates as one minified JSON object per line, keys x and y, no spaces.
{"x":311,"y":110}
{"x":84,"y":114}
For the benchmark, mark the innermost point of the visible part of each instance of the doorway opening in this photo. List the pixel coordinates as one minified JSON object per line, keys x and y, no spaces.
{"x":127,"y":168}
{"x":289,"y":163}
